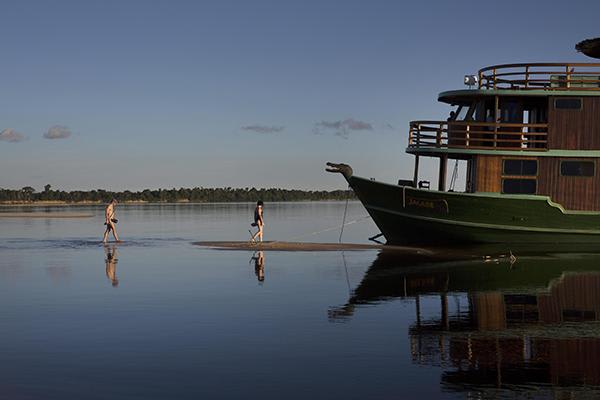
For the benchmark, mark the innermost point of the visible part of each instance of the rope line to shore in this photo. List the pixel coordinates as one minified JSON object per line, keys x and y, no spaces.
{"x":344,"y":219}
{"x":323,"y":230}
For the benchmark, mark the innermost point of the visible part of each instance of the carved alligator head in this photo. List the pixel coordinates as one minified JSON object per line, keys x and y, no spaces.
{"x":343,"y":169}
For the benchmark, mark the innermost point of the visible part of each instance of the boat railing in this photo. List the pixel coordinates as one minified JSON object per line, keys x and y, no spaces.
{"x":541,"y":76}
{"x":478,"y":135}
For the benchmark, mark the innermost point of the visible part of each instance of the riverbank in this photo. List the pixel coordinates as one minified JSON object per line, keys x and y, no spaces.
{"x":138,"y":202}
{"x":45,"y":215}
{"x":62,"y":203}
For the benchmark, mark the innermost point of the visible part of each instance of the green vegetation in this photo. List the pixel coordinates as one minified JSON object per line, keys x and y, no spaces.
{"x":195,"y":195}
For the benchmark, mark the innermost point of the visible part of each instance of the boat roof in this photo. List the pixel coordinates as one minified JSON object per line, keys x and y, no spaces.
{"x":465,"y":96}
{"x":529,"y":80}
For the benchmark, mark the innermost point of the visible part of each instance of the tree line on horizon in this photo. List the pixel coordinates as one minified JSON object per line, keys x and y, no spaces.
{"x":194,"y":195}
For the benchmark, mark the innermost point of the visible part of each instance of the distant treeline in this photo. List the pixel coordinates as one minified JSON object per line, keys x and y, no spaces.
{"x":195,"y":195}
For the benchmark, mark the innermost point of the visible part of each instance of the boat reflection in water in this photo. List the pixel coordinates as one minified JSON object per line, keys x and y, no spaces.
{"x":528,"y":324}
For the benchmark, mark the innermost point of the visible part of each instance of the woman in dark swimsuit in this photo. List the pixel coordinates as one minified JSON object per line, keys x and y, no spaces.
{"x":258,"y":221}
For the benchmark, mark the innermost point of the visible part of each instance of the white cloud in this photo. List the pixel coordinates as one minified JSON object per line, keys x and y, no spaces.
{"x":342,"y":128}
{"x":58,"y":132}
{"x":263,"y":128}
{"x":12,"y":136}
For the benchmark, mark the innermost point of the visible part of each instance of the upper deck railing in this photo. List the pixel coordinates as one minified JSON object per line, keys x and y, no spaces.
{"x":477,"y":135}
{"x":541,"y":76}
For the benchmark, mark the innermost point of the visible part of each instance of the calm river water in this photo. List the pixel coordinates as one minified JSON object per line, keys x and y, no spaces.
{"x":159,"y":318}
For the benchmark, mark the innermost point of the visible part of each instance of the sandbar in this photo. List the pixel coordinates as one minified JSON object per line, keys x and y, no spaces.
{"x":304,"y":246}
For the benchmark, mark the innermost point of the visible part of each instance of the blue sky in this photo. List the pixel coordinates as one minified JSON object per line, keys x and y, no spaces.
{"x":149,"y":94}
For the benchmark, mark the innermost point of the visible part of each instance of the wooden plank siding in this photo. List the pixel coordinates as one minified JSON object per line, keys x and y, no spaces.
{"x":574,"y":129}
{"x":488,"y":170}
{"x":572,"y":192}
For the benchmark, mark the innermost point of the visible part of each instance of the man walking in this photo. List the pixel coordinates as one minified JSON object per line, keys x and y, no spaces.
{"x":110,"y":221}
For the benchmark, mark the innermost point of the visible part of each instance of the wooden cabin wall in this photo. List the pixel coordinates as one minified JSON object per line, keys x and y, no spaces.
{"x":488,"y":173}
{"x":575,"y":129}
{"x":572,"y":192}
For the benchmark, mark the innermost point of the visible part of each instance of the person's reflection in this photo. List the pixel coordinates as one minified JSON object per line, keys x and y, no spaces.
{"x":111,"y":264}
{"x":259,"y":265}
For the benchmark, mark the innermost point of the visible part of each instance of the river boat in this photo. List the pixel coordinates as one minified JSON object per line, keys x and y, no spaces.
{"x":529,"y":135}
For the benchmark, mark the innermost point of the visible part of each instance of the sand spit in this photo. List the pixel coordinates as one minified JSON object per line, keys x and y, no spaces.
{"x":302,"y":246}
{"x":49,"y":214}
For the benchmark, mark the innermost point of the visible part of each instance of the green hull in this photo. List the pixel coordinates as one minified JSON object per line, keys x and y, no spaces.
{"x":391,"y":276}
{"x":414,"y":216}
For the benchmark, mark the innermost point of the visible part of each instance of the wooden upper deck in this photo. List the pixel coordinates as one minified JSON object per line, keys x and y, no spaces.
{"x":545,"y":76}
{"x":533,"y":107}
{"x":524,"y":129}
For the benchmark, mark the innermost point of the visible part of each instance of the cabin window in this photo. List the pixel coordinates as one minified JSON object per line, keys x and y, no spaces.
{"x":520,"y":167}
{"x":519,"y":186}
{"x":578,"y":315}
{"x":577,"y":168}
{"x":460,"y":113}
{"x":511,"y":111}
{"x":519,"y":176}
{"x":567,"y":104}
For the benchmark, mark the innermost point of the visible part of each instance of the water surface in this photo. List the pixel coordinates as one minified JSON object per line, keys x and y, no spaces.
{"x":156,"y":317}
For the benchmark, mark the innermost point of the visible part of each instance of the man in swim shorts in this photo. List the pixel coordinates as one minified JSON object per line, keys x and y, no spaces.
{"x":110,"y":221}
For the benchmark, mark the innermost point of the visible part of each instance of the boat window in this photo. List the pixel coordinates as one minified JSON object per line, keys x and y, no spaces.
{"x":480,"y":111}
{"x":567,"y":104}
{"x":537,"y":111}
{"x":578,"y":315}
{"x":511,"y":111}
{"x":471,"y":111}
{"x":520,"y":167}
{"x":519,"y":186}
{"x":461,"y":113}
{"x":454,"y":114}
{"x":577,"y":168}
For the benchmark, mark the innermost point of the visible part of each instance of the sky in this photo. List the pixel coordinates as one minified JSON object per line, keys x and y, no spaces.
{"x":161,"y":94}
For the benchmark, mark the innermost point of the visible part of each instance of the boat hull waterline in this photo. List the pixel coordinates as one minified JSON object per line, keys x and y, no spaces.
{"x":406,"y":215}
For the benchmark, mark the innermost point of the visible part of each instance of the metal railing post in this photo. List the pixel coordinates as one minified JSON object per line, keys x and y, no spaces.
{"x":496,"y":134}
{"x":468,"y":135}
{"x":496,"y":118}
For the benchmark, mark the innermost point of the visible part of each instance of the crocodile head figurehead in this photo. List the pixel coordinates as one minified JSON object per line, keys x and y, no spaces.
{"x":343,"y":169}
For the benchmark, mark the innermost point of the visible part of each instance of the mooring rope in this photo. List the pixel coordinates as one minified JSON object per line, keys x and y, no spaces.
{"x":333,"y":228}
{"x":344,"y":219}
{"x":319,"y":231}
